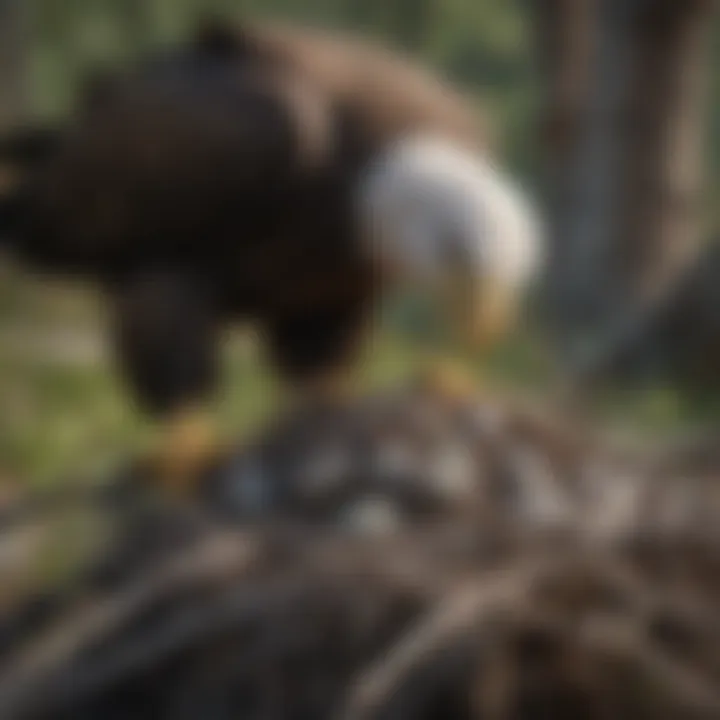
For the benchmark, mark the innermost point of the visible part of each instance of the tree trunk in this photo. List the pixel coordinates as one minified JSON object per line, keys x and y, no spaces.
{"x":663,"y":151}
{"x":582,"y":58}
{"x":624,"y":87}
{"x":565,"y":37}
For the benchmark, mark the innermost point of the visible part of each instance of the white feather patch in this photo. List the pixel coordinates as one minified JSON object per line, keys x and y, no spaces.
{"x":426,"y":203}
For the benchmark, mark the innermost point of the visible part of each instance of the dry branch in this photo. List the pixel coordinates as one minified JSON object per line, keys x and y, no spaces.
{"x":405,"y":557}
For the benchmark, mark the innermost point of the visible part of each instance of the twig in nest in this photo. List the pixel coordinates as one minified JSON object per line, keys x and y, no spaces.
{"x":470,"y":609}
{"x":685,"y":688}
{"x":216,"y":557}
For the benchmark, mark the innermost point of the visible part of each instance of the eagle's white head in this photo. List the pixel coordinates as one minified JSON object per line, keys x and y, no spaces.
{"x":444,"y":220}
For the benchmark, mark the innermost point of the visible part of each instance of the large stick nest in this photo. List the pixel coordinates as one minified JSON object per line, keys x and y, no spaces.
{"x":401,"y":557}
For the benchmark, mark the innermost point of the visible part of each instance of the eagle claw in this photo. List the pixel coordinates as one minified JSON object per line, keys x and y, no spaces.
{"x":184,"y":458}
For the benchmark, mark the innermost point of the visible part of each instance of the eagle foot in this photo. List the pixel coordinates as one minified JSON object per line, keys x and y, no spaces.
{"x":184,"y":458}
{"x":448,"y":379}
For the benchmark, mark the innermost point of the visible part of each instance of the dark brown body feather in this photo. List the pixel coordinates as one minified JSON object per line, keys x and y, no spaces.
{"x":215,"y":183}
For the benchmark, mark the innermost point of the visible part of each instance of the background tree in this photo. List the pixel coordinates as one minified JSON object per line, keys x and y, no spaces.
{"x":626,"y":87}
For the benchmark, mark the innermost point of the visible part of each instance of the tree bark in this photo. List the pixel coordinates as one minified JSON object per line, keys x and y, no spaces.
{"x":565,"y":37}
{"x":625,"y":88}
{"x":581,"y":59}
{"x":663,"y":169}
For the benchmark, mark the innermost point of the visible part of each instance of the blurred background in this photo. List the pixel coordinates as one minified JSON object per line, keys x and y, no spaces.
{"x":607,"y":110}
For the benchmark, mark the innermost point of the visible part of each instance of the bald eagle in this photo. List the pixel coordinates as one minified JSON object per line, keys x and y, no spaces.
{"x":271,"y":174}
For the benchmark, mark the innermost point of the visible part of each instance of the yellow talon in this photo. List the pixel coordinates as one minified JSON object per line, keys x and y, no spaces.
{"x":185,"y":450}
{"x":449,"y":379}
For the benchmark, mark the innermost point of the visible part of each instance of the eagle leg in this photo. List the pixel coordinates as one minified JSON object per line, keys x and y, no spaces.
{"x":167,"y":338}
{"x":316,"y":352}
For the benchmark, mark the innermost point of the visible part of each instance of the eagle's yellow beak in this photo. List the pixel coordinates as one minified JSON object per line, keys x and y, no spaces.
{"x":477,"y":315}
{"x":480,"y":311}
